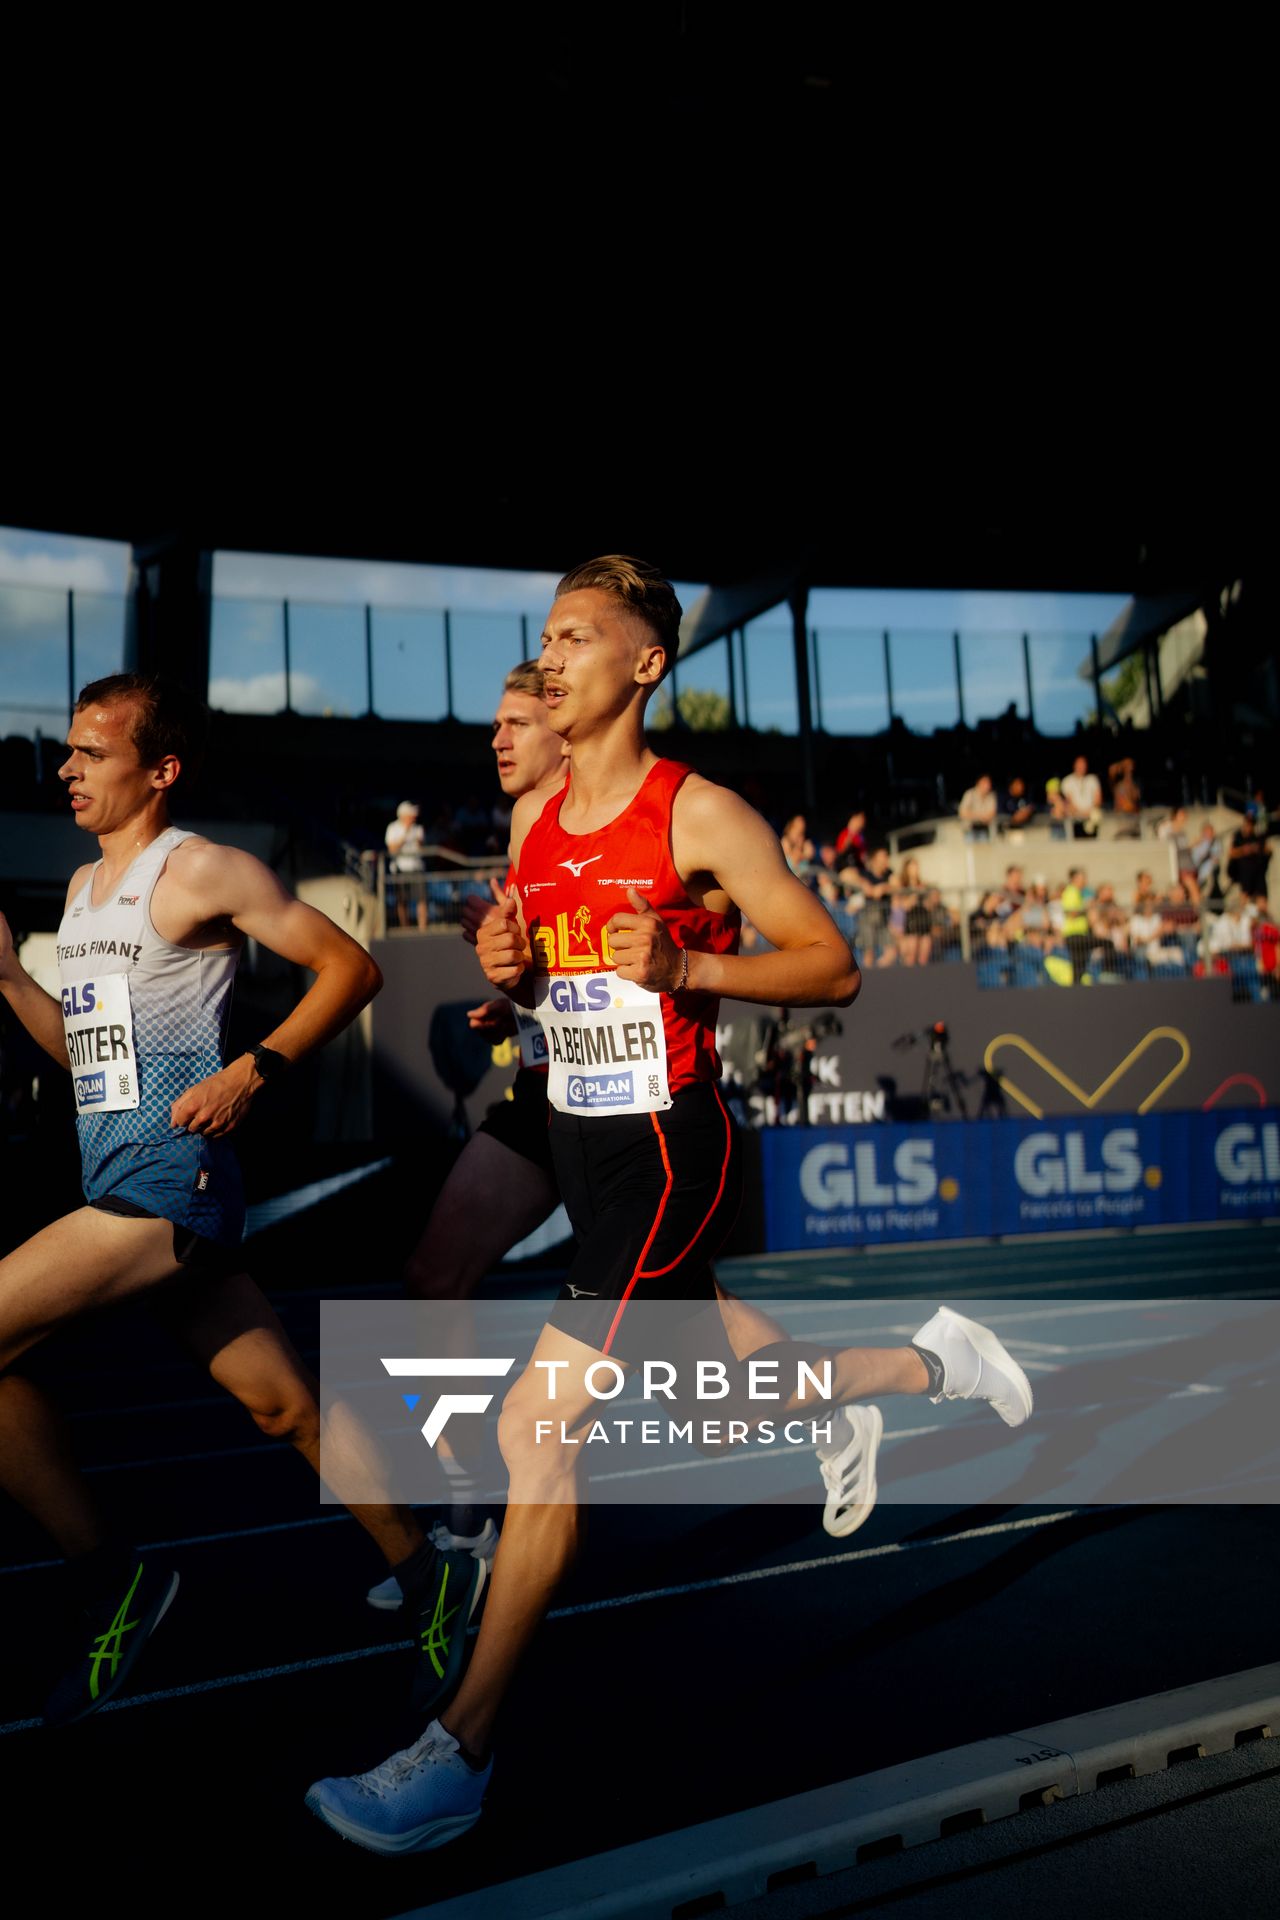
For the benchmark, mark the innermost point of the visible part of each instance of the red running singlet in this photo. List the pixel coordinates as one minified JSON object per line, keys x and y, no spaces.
{"x":614,"y":1047}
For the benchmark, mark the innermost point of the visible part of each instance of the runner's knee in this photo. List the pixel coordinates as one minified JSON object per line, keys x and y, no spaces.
{"x":288,"y":1416}
{"x":434,"y":1275}
{"x":529,"y":1436}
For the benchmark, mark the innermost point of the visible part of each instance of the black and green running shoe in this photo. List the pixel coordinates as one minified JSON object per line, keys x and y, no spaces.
{"x":440,"y":1606}
{"x":111,"y":1634}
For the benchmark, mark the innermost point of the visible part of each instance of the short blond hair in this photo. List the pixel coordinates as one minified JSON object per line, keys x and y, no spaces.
{"x":526,"y":678}
{"x":642,"y":589}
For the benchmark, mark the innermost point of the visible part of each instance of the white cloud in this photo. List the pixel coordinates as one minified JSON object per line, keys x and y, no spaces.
{"x":33,"y":589}
{"x":380,"y":583}
{"x":262,"y":693}
{"x":39,"y":560}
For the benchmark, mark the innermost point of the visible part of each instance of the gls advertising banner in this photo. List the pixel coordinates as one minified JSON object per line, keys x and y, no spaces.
{"x":847,"y":1186}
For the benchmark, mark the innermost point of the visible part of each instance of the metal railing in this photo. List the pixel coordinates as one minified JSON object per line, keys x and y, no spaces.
{"x":425,"y":899}
{"x":1011,"y":944}
{"x":1027,"y":943}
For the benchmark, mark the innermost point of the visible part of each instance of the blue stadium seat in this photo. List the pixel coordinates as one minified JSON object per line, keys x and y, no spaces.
{"x":1246,"y":981}
{"x":1028,"y":967}
{"x":994,"y":970}
{"x":443,"y":896}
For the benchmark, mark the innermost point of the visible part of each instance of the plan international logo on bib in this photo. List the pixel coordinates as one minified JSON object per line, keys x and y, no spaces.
{"x":91,"y":1089}
{"x":591,"y":1092}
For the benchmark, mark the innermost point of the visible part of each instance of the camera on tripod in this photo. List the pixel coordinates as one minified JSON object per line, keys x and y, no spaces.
{"x":935,"y":1037}
{"x":784,"y":1063}
{"x":943,"y":1088}
{"x":805,"y":1037}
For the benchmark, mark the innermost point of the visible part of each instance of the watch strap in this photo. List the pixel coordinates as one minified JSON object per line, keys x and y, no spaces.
{"x":267,"y":1061}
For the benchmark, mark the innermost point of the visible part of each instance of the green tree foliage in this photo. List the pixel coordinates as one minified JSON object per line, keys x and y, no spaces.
{"x":701,"y":710}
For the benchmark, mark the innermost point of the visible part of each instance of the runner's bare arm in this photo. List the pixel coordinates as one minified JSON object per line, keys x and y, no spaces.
{"x":38,"y":1011}
{"x":719,"y":842}
{"x":502,"y":944}
{"x":210,"y":885}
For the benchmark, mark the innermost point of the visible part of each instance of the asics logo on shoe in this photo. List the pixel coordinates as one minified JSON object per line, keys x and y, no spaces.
{"x":110,"y":1645}
{"x":575,"y":866}
{"x":435,"y":1641}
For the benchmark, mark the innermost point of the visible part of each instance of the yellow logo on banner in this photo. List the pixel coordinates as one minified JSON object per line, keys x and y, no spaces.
{"x":1015,"y":1042}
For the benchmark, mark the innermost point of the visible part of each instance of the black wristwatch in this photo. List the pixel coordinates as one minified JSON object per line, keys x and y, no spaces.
{"x":268,"y":1062}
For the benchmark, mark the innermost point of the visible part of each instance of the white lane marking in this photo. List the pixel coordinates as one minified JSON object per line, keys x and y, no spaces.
{"x":1031,"y":1295}
{"x":267,"y":1212}
{"x":825,"y":1560}
{"x":585,"y":1606}
{"x":186,"y":1459}
{"x":157,"y":1406}
{"x":202,"y":1539}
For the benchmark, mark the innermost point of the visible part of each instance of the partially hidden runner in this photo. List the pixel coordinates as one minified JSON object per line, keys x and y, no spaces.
{"x":503,"y":1185}
{"x":630,"y":884}
{"x":147,"y":953}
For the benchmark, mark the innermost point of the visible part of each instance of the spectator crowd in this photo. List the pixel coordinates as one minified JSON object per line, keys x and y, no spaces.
{"x":1213,"y":919}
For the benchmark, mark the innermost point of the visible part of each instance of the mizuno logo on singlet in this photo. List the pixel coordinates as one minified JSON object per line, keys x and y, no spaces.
{"x":575,"y":866}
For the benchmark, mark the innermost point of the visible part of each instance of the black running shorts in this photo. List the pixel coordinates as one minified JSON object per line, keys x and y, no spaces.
{"x":191,"y":1250}
{"x":520,"y":1123}
{"x":651,"y":1198}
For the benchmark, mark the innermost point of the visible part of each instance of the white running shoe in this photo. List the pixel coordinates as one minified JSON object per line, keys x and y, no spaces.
{"x":975,"y":1366}
{"x":387,"y":1596}
{"x":851,"y":1474}
{"x":418,"y":1799}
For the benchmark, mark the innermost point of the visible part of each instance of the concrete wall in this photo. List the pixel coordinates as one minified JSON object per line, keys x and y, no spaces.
{"x":1172,"y":1044}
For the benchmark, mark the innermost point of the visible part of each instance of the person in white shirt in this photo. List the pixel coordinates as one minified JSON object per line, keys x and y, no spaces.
{"x":978,"y":808}
{"x":405,"y":840}
{"x":1231,"y":931}
{"x":1082,"y":793}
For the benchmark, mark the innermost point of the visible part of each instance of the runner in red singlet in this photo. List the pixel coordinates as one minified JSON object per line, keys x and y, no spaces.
{"x":503,"y":1184}
{"x":621,"y":932}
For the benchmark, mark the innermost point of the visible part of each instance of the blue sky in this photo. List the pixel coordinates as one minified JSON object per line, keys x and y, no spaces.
{"x":327,"y":639}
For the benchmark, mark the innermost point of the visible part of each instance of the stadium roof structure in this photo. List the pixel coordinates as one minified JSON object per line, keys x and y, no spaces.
{"x":746,"y":530}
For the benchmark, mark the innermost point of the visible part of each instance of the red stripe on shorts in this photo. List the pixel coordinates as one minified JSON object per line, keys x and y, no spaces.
{"x":662,"y":1207}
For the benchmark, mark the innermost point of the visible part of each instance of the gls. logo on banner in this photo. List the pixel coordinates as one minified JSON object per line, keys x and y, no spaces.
{"x":1049,"y":1163}
{"x":448,"y":1369}
{"x":593,"y":1091}
{"x":828,"y":1181}
{"x":1242,"y":1159}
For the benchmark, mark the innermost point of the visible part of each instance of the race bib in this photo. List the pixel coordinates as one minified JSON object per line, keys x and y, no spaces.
{"x":97,"y":1018}
{"x":533,"y":1041}
{"x":606,"y":1049}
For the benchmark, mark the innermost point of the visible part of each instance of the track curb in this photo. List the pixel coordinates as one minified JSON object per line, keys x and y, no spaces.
{"x":719,"y":1863}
